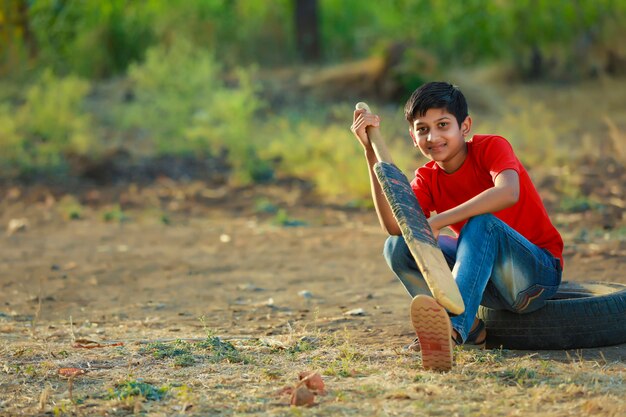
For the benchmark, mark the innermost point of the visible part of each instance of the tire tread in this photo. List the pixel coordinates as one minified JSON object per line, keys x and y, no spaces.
{"x":594,"y":321}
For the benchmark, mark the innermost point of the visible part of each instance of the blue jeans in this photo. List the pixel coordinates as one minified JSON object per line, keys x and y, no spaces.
{"x":492,"y":264}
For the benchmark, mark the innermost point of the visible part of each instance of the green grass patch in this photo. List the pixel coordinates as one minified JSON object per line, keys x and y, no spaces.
{"x":264,"y":205}
{"x":302,"y":345}
{"x":222,"y":351}
{"x":179,"y":351}
{"x":137,"y":388}
{"x":577,"y":204}
{"x":480,"y":356}
{"x":115,"y":214}
{"x":283,"y":219}
{"x":70,"y":208}
{"x":186,"y":353}
{"x":518,"y":375}
{"x":347,"y":362}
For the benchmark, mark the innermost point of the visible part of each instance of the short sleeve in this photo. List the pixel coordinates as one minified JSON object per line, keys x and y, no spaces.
{"x":497,"y":155}
{"x":421,"y":188}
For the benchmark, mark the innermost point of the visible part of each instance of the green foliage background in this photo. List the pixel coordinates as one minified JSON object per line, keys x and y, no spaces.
{"x":191,"y":67}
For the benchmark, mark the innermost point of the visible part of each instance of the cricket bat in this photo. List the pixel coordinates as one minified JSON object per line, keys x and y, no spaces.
{"x":415,"y":229}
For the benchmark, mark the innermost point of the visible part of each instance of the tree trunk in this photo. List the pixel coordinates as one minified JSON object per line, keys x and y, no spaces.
{"x":307,"y":30}
{"x":23,"y":22}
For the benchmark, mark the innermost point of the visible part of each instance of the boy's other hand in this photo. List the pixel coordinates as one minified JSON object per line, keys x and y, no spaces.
{"x":361,"y":121}
{"x":432,"y":221}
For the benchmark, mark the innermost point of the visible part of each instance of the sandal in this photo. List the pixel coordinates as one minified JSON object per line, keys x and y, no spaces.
{"x":434,"y":331}
{"x":474,"y":339}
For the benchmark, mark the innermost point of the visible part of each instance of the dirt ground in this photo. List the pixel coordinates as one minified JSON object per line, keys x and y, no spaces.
{"x":184,"y":258}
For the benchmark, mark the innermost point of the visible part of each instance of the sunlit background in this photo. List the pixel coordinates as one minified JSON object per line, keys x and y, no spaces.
{"x":244,"y":92}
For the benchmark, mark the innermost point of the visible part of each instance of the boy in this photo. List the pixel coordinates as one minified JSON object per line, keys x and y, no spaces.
{"x":506,"y":254}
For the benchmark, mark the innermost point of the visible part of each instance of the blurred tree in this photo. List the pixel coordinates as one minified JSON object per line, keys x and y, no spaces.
{"x":23,"y":23}
{"x":93,"y":39}
{"x":16,"y":37}
{"x":99,"y":39}
{"x":307,"y":30}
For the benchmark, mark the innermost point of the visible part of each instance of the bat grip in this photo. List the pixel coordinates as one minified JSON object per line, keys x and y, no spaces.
{"x":376,"y":139}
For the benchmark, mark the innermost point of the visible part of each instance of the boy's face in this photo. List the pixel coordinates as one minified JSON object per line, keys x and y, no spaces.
{"x":440,"y":138}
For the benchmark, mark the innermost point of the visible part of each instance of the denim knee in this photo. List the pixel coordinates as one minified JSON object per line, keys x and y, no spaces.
{"x":480,"y":223}
{"x":394,"y":251}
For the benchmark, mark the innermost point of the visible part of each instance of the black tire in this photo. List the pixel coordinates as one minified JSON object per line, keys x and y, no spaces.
{"x":580,"y":315}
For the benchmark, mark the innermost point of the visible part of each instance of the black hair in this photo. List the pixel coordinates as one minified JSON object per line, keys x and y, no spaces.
{"x":436,"y":95}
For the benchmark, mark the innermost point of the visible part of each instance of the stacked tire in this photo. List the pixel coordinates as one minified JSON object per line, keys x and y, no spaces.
{"x":580,"y":315}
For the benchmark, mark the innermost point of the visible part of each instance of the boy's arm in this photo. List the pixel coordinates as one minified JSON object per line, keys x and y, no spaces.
{"x":503,"y":194}
{"x":361,"y":121}
{"x":383,"y":210}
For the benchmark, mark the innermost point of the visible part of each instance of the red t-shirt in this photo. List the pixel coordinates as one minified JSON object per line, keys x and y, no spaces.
{"x":487,"y":156}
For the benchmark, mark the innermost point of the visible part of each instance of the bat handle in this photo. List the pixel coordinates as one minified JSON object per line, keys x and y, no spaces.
{"x":373,"y":133}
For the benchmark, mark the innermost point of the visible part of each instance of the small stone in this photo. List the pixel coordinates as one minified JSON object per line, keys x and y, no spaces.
{"x":305,"y":294}
{"x":273,"y":343}
{"x":17,"y":225}
{"x":70,"y":265}
{"x":249,"y":287}
{"x":224,"y":238}
{"x":355,"y":312}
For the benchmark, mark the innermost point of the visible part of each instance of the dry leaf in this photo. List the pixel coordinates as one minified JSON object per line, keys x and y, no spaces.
{"x":302,"y":396}
{"x":71,"y":372}
{"x":90,"y":344}
{"x":303,"y":393}
{"x":313,"y":381}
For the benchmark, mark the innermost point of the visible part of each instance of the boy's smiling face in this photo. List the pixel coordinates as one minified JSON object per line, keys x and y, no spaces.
{"x":440,"y":138}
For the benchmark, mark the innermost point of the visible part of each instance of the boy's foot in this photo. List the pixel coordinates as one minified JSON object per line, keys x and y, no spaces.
{"x":476,"y":339}
{"x":434,"y":331}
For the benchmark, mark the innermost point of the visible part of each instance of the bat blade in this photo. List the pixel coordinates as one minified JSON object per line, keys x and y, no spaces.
{"x":419,"y":237}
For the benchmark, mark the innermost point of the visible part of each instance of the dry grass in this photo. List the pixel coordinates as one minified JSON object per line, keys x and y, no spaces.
{"x":360,"y":379}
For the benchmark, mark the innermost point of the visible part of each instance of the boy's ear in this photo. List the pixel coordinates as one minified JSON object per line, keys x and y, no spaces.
{"x":466,"y":126}
{"x":412,"y":136}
